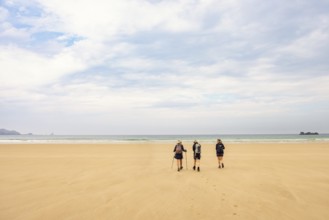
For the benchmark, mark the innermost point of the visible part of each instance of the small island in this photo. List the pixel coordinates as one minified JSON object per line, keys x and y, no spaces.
{"x":308,"y":133}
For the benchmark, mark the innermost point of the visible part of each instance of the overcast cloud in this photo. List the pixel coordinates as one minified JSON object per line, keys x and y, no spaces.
{"x":164,"y":67}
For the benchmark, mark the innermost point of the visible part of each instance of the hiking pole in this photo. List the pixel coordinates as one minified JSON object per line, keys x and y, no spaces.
{"x":186,"y":159}
{"x":172,"y":163}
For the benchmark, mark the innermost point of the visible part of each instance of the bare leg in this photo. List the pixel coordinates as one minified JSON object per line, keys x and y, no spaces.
{"x":220,"y":161}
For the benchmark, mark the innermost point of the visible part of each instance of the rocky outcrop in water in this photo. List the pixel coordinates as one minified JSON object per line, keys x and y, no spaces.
{"x":308,"y":133}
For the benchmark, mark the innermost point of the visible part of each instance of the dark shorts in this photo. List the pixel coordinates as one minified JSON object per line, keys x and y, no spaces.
{"x":197,"y":156}
{"x":179,"y":156}
{"x":220,"y":154}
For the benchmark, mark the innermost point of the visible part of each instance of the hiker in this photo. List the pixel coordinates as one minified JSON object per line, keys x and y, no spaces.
{"x":196,"y":155}
{"x":220,"y":153}
{"x":179,"y":148}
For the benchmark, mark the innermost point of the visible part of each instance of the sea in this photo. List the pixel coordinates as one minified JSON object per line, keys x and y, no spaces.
{"x":103,"y":139}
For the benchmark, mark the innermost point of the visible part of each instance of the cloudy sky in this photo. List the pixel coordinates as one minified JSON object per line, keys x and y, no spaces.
{"x":164,"y":66}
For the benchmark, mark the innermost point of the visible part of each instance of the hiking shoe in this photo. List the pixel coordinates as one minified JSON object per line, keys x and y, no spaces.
{"x":193,"y":167}
{"x":198,"y":169}
{"x":222,"y":165}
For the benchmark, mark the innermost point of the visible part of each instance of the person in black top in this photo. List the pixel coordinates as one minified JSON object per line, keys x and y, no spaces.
{"x":220,"y":153}
{"x":179,"y":148}
{"x":196,"y":155}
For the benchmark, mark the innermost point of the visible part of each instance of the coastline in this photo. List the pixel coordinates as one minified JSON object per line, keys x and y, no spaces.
{"x":136,"y":181}
{"x":158,"y":139}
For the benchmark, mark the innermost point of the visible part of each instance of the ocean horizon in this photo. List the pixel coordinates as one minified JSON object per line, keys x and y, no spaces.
{"x":226,"y":138}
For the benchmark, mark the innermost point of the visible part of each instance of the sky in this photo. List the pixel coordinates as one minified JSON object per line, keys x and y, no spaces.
{"x":164,"y":66}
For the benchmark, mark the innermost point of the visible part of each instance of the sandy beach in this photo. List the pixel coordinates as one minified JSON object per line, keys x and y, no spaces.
{"x":136,"y":181}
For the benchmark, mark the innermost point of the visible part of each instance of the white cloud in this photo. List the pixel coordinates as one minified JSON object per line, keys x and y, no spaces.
{"x":7,"y":31}
{"x":308,"y":46}
{"x":103,"y":19}
{"x":21,"y":67}
{"x":133,"y":63}
{"x":3,"y":13}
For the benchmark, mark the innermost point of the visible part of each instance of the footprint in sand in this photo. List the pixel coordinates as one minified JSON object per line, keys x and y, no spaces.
{"x":223,"y":194}
{"x":215,"y":187}
{"x":235,"y":206}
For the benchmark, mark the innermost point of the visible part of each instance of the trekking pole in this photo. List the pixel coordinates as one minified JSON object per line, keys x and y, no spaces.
{"x":172,"y":163}
{"x":186,"y":159}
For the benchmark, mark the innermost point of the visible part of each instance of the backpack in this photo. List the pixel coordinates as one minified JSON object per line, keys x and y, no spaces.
{"x":179,"y":149}
{"x":197,"y":148}
{"x":220,"y":148}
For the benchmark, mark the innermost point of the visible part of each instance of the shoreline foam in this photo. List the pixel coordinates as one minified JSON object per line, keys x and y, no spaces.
{"x":158,"y":139}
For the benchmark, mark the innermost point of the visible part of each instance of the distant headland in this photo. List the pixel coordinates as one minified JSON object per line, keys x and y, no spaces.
{"x":308,"y":133}
{"x":7,"y":132}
